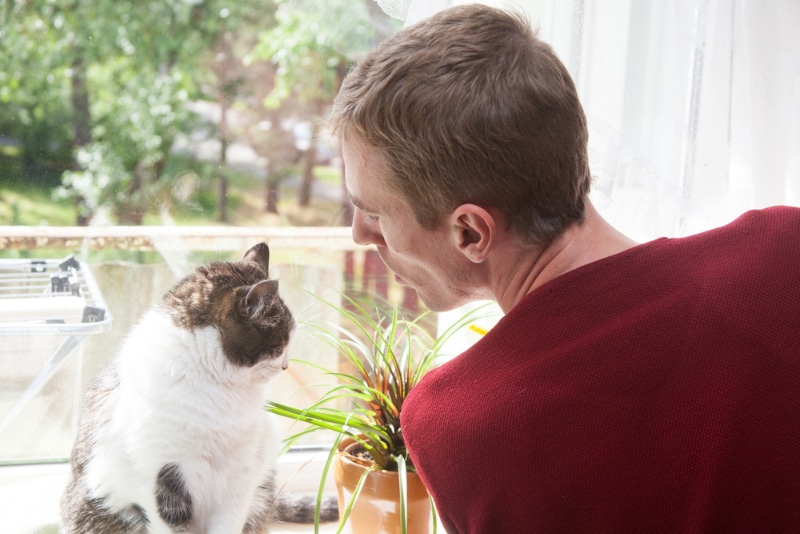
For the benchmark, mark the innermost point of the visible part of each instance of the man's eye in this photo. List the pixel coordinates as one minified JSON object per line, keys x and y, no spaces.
{"x":369,"y":218}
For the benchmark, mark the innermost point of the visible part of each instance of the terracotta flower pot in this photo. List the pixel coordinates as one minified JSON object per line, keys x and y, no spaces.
{"x":377,"y":510}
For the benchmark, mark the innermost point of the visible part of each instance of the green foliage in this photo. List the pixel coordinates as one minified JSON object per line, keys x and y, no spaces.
{"x":140,"y":62}
{"x":34,"y":92}
{"x":29,"y":204}
{"x":311,"y":45}
{"x":97,"y":90}
{"x":123,"y":168}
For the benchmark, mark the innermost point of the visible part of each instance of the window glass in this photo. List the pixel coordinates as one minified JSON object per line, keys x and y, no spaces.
{"x":146,"y":138}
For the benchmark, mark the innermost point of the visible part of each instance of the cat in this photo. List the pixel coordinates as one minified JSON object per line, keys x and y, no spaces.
{"x":173,"y":435}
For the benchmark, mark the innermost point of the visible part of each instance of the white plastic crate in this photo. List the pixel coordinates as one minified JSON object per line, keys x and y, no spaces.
{"x":47,"y":309}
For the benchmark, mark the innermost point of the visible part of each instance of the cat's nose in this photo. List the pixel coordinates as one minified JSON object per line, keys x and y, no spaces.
{"x":285,"y":362}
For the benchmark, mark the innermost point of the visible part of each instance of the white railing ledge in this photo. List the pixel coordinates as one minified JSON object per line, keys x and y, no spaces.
{"x":193,"y":237}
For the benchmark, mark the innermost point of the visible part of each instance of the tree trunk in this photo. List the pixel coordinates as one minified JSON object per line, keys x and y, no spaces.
{"x":131,"y":211}
{"x":271,"y":190}
{"x":304,"y":198}
{"x":222,"y":196}
{"x":222,"y":191}
{"x":81,"y":119}
{"x":81,"y":126}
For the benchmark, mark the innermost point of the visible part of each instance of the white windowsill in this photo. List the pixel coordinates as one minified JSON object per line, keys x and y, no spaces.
{"x":30,"y":494}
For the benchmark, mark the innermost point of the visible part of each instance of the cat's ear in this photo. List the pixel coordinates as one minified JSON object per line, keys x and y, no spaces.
{"x":259,"y":254}
{"x":259,"y":296}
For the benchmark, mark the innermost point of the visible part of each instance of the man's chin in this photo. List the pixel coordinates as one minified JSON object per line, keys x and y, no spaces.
{"x":438,"y":303}
{"x":442,"y":304}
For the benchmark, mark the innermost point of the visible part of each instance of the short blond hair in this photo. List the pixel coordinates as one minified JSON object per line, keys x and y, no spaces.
{"x":469,"y":106}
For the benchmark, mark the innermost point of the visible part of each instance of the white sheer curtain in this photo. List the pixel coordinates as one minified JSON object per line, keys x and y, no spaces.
{"x":693,"y":105}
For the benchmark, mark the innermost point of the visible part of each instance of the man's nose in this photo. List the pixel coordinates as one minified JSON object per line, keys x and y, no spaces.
{"x":363,"y":232}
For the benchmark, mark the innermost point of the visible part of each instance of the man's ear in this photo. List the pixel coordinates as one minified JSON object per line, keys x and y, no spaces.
{"x":474,"y":230}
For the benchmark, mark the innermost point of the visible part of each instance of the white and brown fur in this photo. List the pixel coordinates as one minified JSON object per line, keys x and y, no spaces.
{"x":174,"y":436}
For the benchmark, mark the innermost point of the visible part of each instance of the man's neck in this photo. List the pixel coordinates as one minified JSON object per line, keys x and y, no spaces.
{"x":580,"y":244}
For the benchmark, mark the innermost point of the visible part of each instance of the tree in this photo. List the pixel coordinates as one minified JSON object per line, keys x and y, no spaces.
{"x":121,"y":72}
{"x":98,"y":89}
{"x":227,"y":79}
{"x":311,"y":46}
{"x":267,"y":129}
{"x":34,"y":89}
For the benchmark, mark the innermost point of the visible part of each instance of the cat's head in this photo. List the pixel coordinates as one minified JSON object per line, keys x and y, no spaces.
{"x":240,"y":300}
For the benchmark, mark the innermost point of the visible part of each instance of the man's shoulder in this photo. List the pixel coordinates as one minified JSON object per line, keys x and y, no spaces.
{"x":768,"y":232}
{"x":779,"y":221}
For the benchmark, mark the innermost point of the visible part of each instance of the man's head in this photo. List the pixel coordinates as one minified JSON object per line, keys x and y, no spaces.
{"x":469,"y":106}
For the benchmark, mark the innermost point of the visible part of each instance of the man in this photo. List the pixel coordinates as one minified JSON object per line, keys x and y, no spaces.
{"x":630,"y":387}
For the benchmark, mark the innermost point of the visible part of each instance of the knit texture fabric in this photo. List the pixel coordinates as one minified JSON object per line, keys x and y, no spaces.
{"x":657,"y":390}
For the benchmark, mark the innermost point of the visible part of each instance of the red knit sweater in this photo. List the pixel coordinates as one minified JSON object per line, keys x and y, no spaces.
{"x":654,"y":391}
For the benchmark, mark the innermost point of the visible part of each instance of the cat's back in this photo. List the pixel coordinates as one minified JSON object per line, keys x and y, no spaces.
{"x":172,"y":389}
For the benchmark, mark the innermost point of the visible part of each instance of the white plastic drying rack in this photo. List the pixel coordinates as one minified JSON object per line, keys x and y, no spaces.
{"x":44,"y":279}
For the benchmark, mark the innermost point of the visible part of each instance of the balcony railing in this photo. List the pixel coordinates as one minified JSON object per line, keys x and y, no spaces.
{"x":192,"y":237}
{"x":310,"y":262}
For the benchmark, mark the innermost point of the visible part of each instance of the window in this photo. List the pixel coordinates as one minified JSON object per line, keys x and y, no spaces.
{"x":148,"y":138}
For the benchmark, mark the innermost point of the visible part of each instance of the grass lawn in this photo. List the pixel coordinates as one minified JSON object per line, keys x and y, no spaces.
{"x":32,"y":206}
{"x":31,"y":203}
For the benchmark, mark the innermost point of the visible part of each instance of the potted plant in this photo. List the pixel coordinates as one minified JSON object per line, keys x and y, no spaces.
{"x":386,"y":356}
